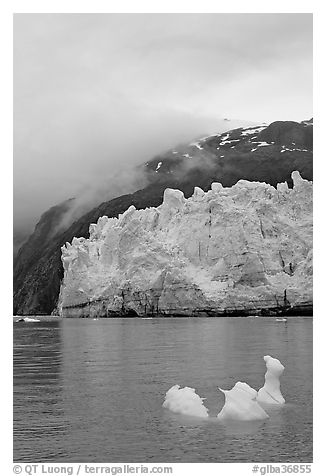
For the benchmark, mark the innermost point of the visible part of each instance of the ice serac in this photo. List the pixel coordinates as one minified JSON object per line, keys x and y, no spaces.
{"x":185,"y":401}
{"x":241,"y":404}
{"x":244,"y":249}
{"x":270,"y":393}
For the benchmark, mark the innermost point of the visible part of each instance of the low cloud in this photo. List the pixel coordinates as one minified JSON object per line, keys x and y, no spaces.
{"x":95,"y":95}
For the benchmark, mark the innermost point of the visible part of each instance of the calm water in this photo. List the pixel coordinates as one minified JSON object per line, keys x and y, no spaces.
{"x":92,"y":391}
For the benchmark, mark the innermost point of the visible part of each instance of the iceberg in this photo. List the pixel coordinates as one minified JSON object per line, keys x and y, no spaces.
{"x":185,"y":401}
{"x":270,"y":392}
{"x":241,"y":404}
{"x":27,"y":319}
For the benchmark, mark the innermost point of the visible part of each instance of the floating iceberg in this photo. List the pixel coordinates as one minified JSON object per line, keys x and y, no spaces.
{"x":27,"y":319}
{"x":185,"y":401}
{"x":270,"y":392}
{"x":241,"y":404}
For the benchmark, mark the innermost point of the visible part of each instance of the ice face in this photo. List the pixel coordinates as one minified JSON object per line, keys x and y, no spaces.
{"x":188,"y":255}
{"x":241,"y":404}
{"x":270,"y":392}
{"x":185,"y":401}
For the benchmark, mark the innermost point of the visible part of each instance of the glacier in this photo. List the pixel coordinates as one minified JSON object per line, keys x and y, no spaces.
{"x":245,"y":249}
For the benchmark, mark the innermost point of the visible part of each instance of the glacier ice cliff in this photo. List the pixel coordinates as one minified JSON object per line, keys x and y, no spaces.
{"x":243,"y":249}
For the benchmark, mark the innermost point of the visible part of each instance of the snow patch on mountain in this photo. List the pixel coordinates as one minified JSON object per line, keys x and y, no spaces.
{"x":158,"y":166}
{"x":246,"y":131}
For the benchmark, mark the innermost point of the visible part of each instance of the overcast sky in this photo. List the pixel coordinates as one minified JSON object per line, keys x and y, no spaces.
{"x":95,"y":93}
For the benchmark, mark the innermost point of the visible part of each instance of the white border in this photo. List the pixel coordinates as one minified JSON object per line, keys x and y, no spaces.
{"x":168,"y":6}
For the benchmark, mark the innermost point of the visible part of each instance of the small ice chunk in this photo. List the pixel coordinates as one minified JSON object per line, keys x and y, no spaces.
{"x":28,"y":319}
{"x":270,"y":392}
{"x":158,"y":166}
{"x":185,"y":401}
{"x":241,"y":404}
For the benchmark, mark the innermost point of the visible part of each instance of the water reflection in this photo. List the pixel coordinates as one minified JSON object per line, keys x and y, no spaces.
{"x":39,"y":418}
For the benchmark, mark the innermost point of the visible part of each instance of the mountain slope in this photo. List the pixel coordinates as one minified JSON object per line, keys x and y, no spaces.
{"x":263,"y":153}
